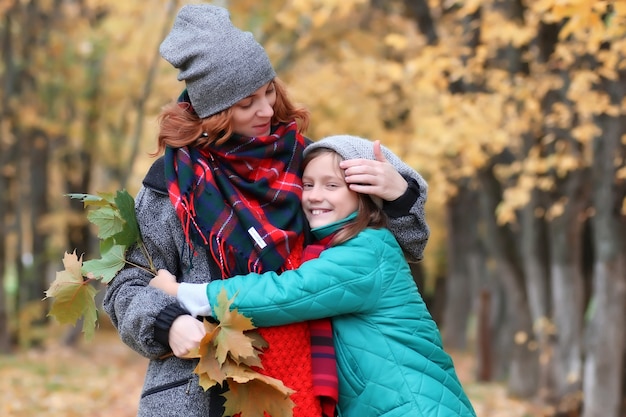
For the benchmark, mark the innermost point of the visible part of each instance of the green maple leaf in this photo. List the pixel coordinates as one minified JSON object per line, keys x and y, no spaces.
{"x":107,"y":220}
{"x":73,"y":296}
{"x":114,"y":216}
{"x":111,"y":262}
{"x":102,"y":199}
{"x":129,"y":234}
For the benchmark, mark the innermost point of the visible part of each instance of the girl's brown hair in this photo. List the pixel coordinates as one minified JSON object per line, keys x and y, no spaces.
{"x":369,"y":213}
{"x":179,"y":127}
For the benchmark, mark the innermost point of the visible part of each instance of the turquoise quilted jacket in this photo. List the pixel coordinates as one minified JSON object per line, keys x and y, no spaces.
{"x":390,"y":358}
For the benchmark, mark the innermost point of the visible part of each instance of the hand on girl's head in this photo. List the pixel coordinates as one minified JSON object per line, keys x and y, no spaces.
{"x":378,"y":178}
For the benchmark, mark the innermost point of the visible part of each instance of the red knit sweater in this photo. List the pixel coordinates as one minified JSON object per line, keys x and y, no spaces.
{"x":288,"y":358}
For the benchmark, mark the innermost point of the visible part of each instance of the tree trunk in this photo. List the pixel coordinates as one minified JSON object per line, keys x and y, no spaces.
{"x":536,"y":270}
{"x":36,"y":153}
{"x":515,"y":334}
{"x":5,"y":343}
{"x":605,"y":337}
{"x":567,"y":288}
{"x":461,"y":279}
{"x":4,"y":180}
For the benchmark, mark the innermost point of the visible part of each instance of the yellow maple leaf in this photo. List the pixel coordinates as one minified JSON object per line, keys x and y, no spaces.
{"x":73,"y":296}
{"x":255,"y":397}
{"x":231,"y":339}
{"x":209,"y":369}
{"x":229,"y":353}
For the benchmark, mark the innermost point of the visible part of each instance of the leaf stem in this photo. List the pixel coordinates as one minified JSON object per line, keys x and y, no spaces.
{"x":149,"y":270}
{"x":144,"y":250}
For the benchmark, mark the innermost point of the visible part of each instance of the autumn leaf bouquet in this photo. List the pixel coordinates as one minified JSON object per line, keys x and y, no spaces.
{"x":228,"y":354}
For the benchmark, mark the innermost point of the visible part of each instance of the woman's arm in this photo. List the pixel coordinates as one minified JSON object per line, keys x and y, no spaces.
{"x":403,"y":191}
{"x":142,"y":315}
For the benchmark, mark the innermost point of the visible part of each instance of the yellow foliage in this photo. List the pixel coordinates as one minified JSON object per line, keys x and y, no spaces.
{"x":499,"y":31}
{"x":396,"y":41}
{"x":556,"y":209}
{"x":363,"y":72}
{"x":521,"y":337}
{"x":586,"y":132}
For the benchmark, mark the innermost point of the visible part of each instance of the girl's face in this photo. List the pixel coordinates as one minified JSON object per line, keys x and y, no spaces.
{"x":252,"y":116}
{"x":326,"y":197}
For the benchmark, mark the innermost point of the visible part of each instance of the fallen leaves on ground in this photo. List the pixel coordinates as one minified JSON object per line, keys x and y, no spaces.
{"x":104,"y":378}
{"x":99,"y":378}
{"x":490,"y":399}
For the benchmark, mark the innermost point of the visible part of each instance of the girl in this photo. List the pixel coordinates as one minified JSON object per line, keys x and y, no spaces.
{"x":390,"y":358}
{"x":225,"y":200}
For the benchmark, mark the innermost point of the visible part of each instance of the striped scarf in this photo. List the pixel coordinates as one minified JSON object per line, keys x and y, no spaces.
{"x":324,"y":361}
{"x":241,"y":199}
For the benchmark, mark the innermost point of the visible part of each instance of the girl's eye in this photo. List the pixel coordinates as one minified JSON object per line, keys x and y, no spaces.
{"x":270,"y":91}
{"x":307,"y":185}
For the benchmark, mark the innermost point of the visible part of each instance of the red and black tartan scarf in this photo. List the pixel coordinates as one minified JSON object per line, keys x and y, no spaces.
{"x":241,"y":199}
{"x":324,"y":361}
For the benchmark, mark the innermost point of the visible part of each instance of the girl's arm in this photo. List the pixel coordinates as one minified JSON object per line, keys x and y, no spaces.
{"x":333,"y":284}
{"x":191,"y":296}
{"x":345,"y":279}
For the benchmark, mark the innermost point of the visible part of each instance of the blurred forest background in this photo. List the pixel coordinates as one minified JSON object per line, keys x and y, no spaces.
{"x":513,"y":110}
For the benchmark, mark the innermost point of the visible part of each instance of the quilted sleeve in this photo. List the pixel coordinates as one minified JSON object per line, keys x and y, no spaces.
{"x":345,"y":279}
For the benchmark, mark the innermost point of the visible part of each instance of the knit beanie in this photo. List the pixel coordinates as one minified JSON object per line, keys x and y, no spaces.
{"x":354,"y":147}
{"x":219,"y":63}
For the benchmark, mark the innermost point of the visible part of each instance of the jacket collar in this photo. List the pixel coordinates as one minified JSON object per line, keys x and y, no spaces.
{"x":324,"y":231}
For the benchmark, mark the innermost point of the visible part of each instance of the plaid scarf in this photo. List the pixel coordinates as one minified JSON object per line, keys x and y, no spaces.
{"x":324,"y":361}
{"x":241,"y":199}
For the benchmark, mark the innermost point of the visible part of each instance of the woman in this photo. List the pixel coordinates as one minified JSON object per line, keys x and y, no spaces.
{"x":225,"y":200}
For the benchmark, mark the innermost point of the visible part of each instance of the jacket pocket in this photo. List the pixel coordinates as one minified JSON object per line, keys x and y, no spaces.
{"x":351,"y":380}
{"x":168,"y":386}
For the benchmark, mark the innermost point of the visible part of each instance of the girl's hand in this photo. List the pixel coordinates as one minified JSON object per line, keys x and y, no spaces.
{"x":378,"y":178}
{"x":165,"y":282}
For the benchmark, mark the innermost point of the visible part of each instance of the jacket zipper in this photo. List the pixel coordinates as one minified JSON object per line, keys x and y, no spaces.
{"x":170,"y":385}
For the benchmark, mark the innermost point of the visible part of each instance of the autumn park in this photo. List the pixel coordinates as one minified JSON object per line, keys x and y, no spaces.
{"x":514,"y":111}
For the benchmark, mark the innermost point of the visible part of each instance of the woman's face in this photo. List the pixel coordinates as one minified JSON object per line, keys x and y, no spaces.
{"x":252,"y":116}
{"x":326,"y":197}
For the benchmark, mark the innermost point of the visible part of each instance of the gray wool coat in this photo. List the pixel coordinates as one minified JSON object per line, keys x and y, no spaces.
{"x":142,"y":314}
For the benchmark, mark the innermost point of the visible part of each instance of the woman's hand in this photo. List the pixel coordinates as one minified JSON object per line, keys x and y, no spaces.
{"x":185,"y":335}
{"x":378,"y":178}
{"x":165,"y":282}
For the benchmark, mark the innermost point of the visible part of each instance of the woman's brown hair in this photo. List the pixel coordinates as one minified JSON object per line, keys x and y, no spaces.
{"x":180,"y":127}
{"x":369,"y":213}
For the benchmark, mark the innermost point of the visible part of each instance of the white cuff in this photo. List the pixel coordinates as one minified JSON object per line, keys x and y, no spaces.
{"x":194,"y":299}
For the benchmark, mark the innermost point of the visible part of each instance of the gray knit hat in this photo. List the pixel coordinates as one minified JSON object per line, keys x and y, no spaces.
{"x":354,"y":147}
{"x":219,"y":63}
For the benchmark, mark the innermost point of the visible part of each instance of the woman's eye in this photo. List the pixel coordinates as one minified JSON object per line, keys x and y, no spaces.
{"x":307,"y":186}
{"x":244,"y":104}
